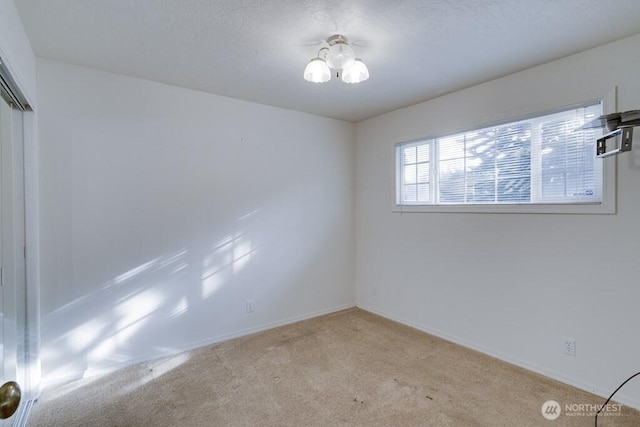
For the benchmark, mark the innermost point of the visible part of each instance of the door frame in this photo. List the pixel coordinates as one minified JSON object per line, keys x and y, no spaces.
{"x":24,"y":116}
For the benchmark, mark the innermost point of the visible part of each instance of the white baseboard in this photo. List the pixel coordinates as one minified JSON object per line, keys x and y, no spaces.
{"x":599,"y":391}
{"x":266,"y":326}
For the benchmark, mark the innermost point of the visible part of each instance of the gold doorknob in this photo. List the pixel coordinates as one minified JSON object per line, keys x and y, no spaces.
{"x":9,"y":399}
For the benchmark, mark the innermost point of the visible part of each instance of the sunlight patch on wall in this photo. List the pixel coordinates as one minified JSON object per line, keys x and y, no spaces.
{"x":103,"y":350}
{"x":173,"y":261}
{"x":86,"y":334}
{"x":180,"y":308}
{"x":135,"y":271}
{"x":179,"y":268}
{"x":242,"y":252}
{"x":131,"y":315}
{"x":229,"y":256}
{"x":250,"y":214}
{"x":211,"y":284}
{"x":107,"y":349}
{"x":60,"y":370}
{"x":138,"y":307}
{"x":104,"y":334}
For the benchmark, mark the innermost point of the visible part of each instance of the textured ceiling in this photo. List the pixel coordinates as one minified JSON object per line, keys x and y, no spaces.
{"x":256,"y":50}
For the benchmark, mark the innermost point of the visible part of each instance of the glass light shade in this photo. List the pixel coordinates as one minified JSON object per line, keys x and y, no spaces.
{"x":317,"y":71}
{"x":357,"y":73}
{"x":340,"y":56}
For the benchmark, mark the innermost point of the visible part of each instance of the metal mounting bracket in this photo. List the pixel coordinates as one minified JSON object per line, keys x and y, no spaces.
{"x":618,"y":125}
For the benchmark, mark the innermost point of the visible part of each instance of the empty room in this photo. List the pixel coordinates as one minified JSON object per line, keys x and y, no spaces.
{"x":319,"y":213}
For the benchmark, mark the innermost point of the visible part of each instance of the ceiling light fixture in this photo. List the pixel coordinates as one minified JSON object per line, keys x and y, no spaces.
{"x":340,"y":57}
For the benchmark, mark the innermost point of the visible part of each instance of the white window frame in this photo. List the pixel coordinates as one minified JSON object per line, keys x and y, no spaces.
{"x":606,"y":206}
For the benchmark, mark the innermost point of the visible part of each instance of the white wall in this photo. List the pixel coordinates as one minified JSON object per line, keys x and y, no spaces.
{"x":163,"y":210}
{"x":511,"y":285}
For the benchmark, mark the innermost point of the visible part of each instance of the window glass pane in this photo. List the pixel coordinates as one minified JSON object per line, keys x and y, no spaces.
{"x":422,"y":172}
{"x":480,"y":143}
{"x":423,"y":193}
{"x":481,"y":185}
{"x":423,"y":153}
{"x":513,"y":165}
{"x":409,"y":193}
{"x":514,"y":189}
{"x":568,"y":163}
{"x":451,"y":181}
{"x":410,"y":155}
{"x":410,"y":176}
{"x":451,"y":147}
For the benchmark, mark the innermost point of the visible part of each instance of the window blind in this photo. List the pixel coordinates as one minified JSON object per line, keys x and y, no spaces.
{"x":545,"y":159}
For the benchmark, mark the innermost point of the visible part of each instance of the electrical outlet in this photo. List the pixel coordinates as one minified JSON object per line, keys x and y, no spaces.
{"x":569,"y":346}
{"x":249,"y":306}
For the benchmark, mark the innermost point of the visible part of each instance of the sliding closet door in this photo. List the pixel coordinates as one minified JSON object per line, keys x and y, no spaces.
{"x":12,"y":258}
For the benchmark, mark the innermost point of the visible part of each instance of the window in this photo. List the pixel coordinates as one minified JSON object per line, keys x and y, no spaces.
{"x":539,"y":161}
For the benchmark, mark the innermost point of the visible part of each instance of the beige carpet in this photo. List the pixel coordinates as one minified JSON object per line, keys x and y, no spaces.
{"x":351,"y":368}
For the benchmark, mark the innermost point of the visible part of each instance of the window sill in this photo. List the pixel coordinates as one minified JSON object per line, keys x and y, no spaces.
{"x":582,"y":208}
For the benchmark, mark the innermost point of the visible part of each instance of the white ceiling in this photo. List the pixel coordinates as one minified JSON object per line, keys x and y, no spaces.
{"x":256,"y":50}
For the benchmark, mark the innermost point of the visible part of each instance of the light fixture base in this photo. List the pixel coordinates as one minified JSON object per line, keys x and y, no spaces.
{"x":338,"y":38}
